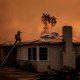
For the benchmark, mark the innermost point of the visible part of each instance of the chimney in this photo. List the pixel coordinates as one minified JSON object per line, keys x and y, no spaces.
{"x":68,"y":55}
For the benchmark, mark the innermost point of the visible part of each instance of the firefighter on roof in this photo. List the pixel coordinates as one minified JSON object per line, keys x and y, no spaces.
{"x":17,"y":37}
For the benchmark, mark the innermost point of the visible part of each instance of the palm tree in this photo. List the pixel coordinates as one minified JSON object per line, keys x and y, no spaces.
{"x":53,"y":22}
{"x":46,"y":18}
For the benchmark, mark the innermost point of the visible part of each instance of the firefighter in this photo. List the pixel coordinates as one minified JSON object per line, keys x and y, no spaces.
{"x":17,"y":37}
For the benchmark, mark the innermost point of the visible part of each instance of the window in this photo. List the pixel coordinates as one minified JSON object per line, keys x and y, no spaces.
{"x":43,"y":53}
{"x":31,"y":53}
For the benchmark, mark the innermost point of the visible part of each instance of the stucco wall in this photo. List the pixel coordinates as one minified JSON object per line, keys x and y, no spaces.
{"x":54,"y":56}
{"x":22,"y":53}
{"x":22,"y":56}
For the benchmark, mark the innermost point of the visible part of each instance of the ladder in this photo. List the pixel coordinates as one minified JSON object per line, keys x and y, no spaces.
{"x":8,"y":54}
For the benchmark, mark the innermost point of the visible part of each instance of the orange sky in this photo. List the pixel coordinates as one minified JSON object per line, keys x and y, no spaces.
{"x":25,"y":15}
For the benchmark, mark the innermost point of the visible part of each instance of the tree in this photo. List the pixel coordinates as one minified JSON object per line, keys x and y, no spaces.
{"x":46,"y":18}
{"x":53,"y":22}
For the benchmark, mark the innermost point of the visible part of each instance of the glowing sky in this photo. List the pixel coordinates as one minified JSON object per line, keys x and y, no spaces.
{"x":25,"y":15}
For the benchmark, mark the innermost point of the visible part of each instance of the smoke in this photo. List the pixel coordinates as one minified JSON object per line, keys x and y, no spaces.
{"x":25,"y":15}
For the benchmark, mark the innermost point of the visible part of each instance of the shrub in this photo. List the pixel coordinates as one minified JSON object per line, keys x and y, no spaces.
{"x":65,"y":73}
{"x":28,"y":67}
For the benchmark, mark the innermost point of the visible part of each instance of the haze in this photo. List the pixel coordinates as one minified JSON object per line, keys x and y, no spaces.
{"x":25,"y":15}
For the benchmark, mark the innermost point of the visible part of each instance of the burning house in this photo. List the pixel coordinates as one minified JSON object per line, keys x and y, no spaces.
{"x":44,"y":52}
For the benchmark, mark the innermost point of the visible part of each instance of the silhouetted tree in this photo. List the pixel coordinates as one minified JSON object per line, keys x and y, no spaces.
{"x":46,"y":18}
{"x":53,"y":22}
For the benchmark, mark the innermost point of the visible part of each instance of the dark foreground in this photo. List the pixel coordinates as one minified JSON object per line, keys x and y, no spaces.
{"x":16,"y":74}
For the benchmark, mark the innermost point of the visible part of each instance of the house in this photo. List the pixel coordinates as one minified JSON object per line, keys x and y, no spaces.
{"x":46,"y":52}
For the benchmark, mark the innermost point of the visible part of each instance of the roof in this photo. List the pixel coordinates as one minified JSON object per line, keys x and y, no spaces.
{"x":46,"y":41}
{"x":41,"y":41}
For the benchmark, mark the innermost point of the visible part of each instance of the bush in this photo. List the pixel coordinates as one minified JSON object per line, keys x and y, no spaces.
{"x":66,"y":73}
{"x":28,"y":67}
{"x":46,"y":76}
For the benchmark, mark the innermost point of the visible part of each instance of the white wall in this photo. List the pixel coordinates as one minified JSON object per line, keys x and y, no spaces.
{"x":22,"y":52}
{"x":54,"y":56}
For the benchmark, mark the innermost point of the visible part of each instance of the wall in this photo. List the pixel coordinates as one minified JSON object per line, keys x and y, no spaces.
{"x":54,"y":56}
{"x":22,"y":53}
{"x":76,"y":49}
{"x":22,"y":56}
